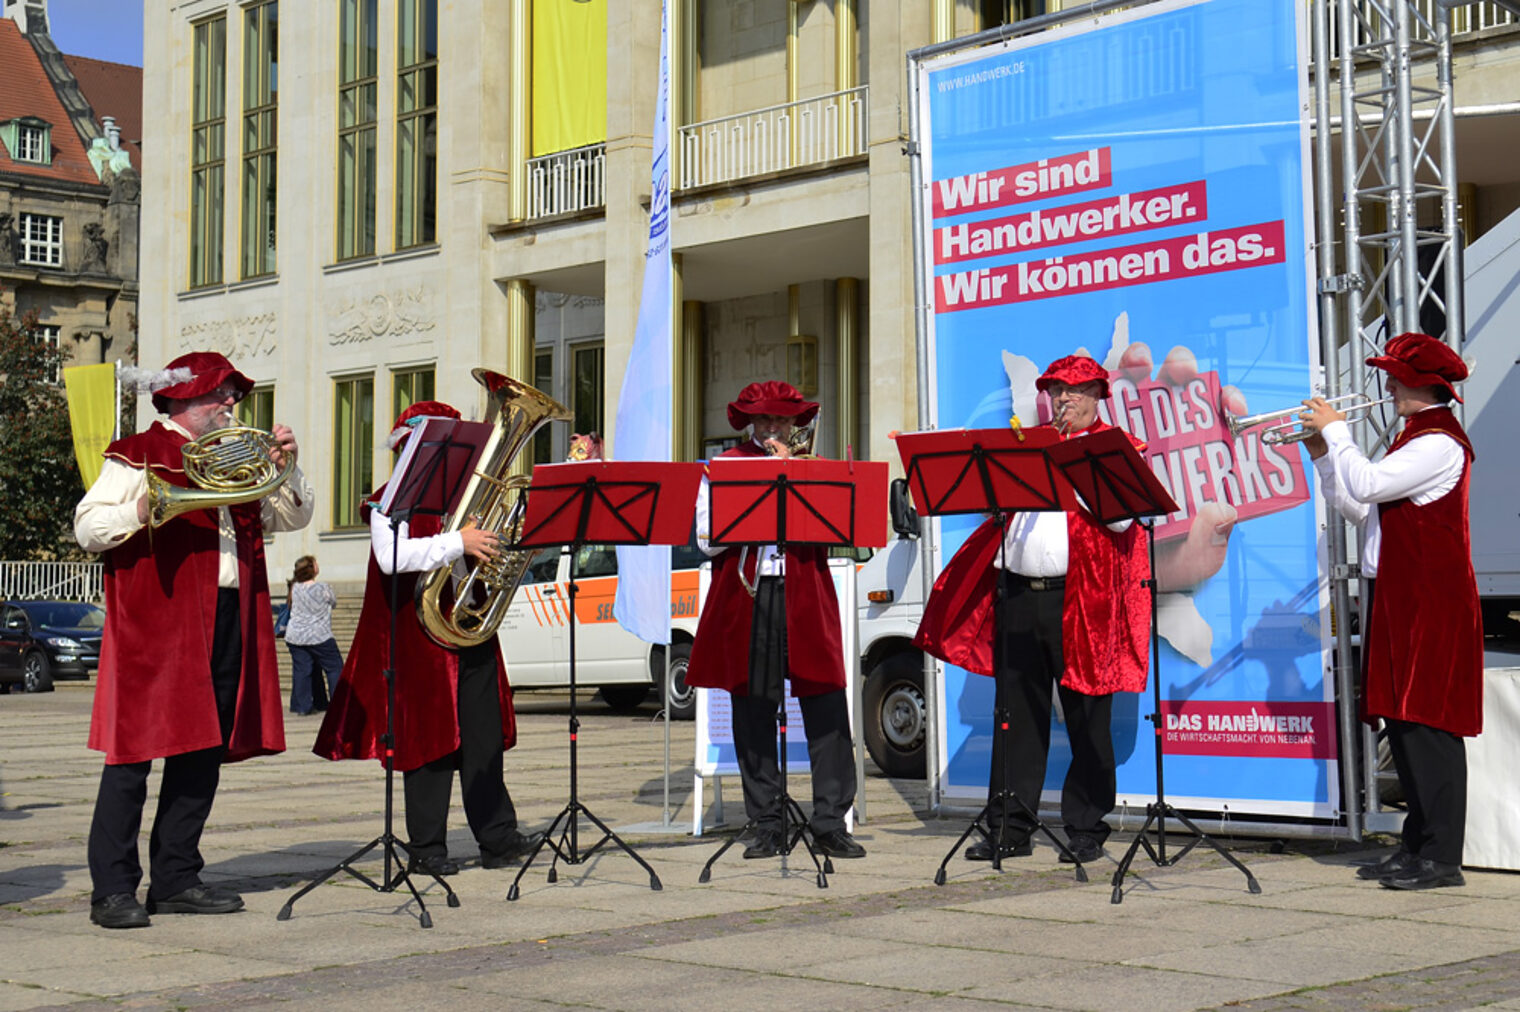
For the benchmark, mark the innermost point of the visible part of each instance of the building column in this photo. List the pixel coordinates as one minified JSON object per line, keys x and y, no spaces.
{"x":944,"y":20}
{"x":845,"y":76}
{"x":686,"y":349}
{"x":846,"y":354}
{"x":519,"y":112}
{"x":521,"y":307}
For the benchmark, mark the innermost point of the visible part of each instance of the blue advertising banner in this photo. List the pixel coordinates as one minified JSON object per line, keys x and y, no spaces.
{"x":1136,"y":188}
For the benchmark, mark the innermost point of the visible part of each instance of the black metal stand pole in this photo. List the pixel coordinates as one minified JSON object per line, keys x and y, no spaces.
{"x":1156,"y":813}
{"x":387,"y":840}
{"x":1000,"y":729}
{"x":567,"y":846}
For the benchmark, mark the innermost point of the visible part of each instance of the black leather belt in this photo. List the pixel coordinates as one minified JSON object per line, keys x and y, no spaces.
{"x":1039,"y":582}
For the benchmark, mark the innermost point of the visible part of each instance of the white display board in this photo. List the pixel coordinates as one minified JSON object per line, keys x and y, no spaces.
{"x":715,"y":756}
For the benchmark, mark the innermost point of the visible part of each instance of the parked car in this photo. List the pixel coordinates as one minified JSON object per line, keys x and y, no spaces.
{"x":535,"y":635}
{"x":43,"y":640}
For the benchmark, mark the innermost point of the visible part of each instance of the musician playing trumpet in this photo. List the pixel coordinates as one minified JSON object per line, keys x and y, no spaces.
{"x":770,"y":617}
{"x":453,"y":707}
{"x":1071,"y":612}
{"x":1422,"y":645}
{"x":187,"y":668}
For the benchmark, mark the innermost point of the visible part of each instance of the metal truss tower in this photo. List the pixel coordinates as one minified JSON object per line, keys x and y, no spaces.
{"x":1390,"y":257}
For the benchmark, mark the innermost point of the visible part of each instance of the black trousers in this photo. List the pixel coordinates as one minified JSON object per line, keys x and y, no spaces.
{"x":487,"y":805}
{"x":185,"y":794}
{"x":825,"y":719}
{"x":1432,"y":768}
{"x":1027,"y":661}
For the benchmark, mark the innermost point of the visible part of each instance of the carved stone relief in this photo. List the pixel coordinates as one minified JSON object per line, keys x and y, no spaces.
{"x":356,"y":319}
{"x":240,"y":338}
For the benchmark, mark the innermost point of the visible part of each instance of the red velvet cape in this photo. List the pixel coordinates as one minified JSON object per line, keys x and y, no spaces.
{"x":1424,"y":643}
{"x":814,"y":644}
{"x":1105,"y":616}
{"x":427,"y":677}
{"x":153,"y":694}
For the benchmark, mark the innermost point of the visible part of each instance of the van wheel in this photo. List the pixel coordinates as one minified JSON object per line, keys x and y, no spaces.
{"x":35,"y":673}
{"x":679,"y":697}
{"x":894,"y":715}
{"x":624,"y":698}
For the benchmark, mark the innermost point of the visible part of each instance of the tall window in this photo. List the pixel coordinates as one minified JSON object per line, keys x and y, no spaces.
{"x":261,"y":90}
{"x":208,"y":145}
{"x":358,"y":59}
{"x":409,"y":387}
{"x":31,"y":143}
{"x":257,"y":409}
{"x":47,"y":334}
{"x":417,"y":124}
{"x":586,"y":387}
{"x":543,"y":379}
{"x":41,"y":240}
{"x":353,"y":447}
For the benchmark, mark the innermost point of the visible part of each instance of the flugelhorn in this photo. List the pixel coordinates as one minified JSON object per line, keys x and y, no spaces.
{"x":1284,"y":427}
{"x":225,"y":467}
{"x":492,"y":501}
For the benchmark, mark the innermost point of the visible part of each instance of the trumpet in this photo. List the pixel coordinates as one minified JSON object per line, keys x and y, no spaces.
{"x":1283,"y":426}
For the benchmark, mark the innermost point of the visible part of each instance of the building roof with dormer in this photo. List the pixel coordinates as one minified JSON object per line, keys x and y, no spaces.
{"x":26,"y":92}
{"x":113,"y":89}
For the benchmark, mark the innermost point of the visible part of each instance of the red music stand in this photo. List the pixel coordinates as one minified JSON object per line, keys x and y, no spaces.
{"x":787,"y":501}
{"x":608,"y":503}
{"x":1116,"y":484}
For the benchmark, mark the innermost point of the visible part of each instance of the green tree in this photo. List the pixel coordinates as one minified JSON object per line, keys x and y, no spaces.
{"x":39,"y":482}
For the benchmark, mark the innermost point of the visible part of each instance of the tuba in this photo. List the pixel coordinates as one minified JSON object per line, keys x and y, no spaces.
{"x":493,"y":500}
{"x":225,"y":467}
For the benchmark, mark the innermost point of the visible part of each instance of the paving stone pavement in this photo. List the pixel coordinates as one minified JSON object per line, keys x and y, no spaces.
{"x":758,"y":935}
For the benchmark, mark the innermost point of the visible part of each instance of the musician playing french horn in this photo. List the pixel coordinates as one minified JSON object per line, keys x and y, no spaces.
{"x":187,"y":668}
{"x":453,"y":706}
{"x":769,"y":617}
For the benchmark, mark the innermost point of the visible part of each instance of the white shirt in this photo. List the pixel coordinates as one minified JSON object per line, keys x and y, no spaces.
{"x":1035,"y":544}
{"x":772,"y":562}
{"x":107,"y":515}
{"x":1422,"y":471}
{"x":412,"y":555}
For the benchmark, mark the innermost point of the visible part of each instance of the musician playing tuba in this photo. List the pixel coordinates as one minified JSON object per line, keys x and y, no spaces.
{"x":453,"y":706}
{"x":187,"y":669}
{"x":749,"y":640}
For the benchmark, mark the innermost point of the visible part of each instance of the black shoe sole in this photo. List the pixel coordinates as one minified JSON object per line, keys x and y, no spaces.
{"x":115,"y":923}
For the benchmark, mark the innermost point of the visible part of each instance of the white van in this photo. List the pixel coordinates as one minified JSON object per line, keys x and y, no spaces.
{"x":535,"y":635}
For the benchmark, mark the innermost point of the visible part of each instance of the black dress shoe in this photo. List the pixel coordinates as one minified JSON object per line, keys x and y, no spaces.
{"x":1424,"y":873}
{"x":982,"y":851}
{"x":198,"y":899}
{"x":765,"y":843}
{"x":1082,"y":849}
{"x":119,"y":910}
{"x":1395,"y":862}
{"x":436,"y":865}
{"x":838,"y":843}
{"x":513,"y":851}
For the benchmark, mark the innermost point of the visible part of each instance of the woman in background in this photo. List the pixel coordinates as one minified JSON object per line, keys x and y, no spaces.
{"x":310,"y":638}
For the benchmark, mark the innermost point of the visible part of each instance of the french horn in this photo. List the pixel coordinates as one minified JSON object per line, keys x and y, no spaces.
{"x":225,"y":467}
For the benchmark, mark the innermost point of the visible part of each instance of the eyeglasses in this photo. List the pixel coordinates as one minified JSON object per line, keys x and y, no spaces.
{"x":227,"y":390}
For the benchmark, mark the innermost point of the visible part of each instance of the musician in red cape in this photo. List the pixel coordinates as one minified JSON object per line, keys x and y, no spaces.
{"x":1422,"y":646}
{"x":749,"y":641}
{"x":453,"y":707}
{"x":187,"y":666}
{"x":1071,"y":609}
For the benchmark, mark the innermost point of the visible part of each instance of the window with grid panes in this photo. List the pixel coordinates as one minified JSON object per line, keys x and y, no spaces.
{"x":208,"y":146}
{"x":586,"y":385}
{"x":543,"y":379}
{"x":32,"y":144}
{"x":47,"y":334}
{"x":358,"y":59}
{"x":417,"y":123}
{"x":261,"y":90}
{"x":257,"y":409}
{"x":353,"y":447}
{"x":41,"y":240}
{"x":408,"y":387}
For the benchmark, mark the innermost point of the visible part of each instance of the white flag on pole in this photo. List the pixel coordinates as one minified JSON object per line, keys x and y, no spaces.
{"x":644,"y":424}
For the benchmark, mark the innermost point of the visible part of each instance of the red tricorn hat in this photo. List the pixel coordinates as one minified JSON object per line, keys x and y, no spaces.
{"x":194,"y":375}
{"x":1074,"y":370}
{"x":1419,"y":360}
{"x":772,"y":397}
{"x":415,"y":416}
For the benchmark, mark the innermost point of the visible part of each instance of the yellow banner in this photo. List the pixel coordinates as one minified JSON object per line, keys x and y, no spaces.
{"x":92,"y":413}
{"x":569,"y":74}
